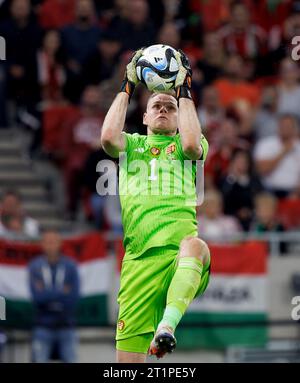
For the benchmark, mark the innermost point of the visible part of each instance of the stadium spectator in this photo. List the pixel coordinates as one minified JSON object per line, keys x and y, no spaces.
{"x":79,"y":134}
{"x":243,"y":112}
{"x":135,"y":27}
{"x":79,"y":41}
{"x":51,"y":74}
{"x":278,"y":158}
{"x":289,"y":87}
{"x":239,"y":187}
{"x":211,"y":114}
{"x":266,"y":118}
{"x":240,"y":36}
{"x":265,"y":217}
{"x":222,"y":151}
{"x":101,"y":64}
{"x":13,"y":219}
{"x":169,"y":34}
{"x":212,"y":61}
{"x":282,"y":32}
{"x":233,"y":87}
{"x":268,"y":13}
{"x":55,"y":14}
{"x":22,"y":36}
{"x":213,"y":225}
{"x":54,"y":286}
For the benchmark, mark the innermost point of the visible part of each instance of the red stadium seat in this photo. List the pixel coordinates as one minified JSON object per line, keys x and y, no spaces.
{"x":289,"y":212}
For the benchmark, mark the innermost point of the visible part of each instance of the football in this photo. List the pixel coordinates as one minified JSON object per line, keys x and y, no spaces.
{"x":157,"y":68}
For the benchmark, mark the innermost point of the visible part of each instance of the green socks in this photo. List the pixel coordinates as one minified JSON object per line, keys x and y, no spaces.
{"x":182,"y":290}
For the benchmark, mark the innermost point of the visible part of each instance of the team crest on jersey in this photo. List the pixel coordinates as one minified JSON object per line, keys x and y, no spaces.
{"x":155,"y":151}
{"x":171,"y":149}
{"x":121,"y":325}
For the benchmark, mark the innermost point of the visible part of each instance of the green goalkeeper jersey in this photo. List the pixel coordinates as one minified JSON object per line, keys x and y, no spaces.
{"x":157,"y":192}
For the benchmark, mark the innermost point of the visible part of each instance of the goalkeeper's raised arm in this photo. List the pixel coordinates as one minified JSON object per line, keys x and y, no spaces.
{"x":188,"y":123}
{"x":112,"y":139}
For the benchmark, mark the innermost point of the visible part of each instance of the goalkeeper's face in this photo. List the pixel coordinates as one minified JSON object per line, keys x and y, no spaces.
{"x":161,"y":114}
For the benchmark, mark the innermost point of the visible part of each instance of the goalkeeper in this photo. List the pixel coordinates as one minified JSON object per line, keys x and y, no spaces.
{"x":166,"y":265}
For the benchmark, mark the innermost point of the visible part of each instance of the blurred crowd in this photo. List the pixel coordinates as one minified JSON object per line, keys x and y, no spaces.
{"x":65,"y":63}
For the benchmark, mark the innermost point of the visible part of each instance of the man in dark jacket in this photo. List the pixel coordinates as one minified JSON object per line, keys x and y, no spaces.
{"x":54,"y":285}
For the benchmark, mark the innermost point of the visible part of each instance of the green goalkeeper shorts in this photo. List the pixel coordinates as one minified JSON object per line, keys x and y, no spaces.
{"x":143,"y":293}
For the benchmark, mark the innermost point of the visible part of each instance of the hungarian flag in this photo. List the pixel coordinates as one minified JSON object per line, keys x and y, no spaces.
{"x":95,"y":270}
{"x":233,"y":309}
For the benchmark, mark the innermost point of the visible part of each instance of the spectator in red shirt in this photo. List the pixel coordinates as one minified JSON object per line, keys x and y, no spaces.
{"x":213,"y":13}
{"x":221,"y":152}
{"x":51,"y":74}
{"x":240,"y":35}
{"x":54,"y":14}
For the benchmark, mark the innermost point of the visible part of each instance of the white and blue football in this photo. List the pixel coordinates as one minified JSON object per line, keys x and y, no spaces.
{"x":157,"y":68}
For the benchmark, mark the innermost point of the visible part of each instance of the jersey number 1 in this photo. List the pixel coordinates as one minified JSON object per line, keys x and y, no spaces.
{"x":153,"y":176}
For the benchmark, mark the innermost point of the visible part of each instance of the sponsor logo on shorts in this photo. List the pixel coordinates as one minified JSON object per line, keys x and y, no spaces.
{"x":121,"y":325}
{"x":155,"y":151}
